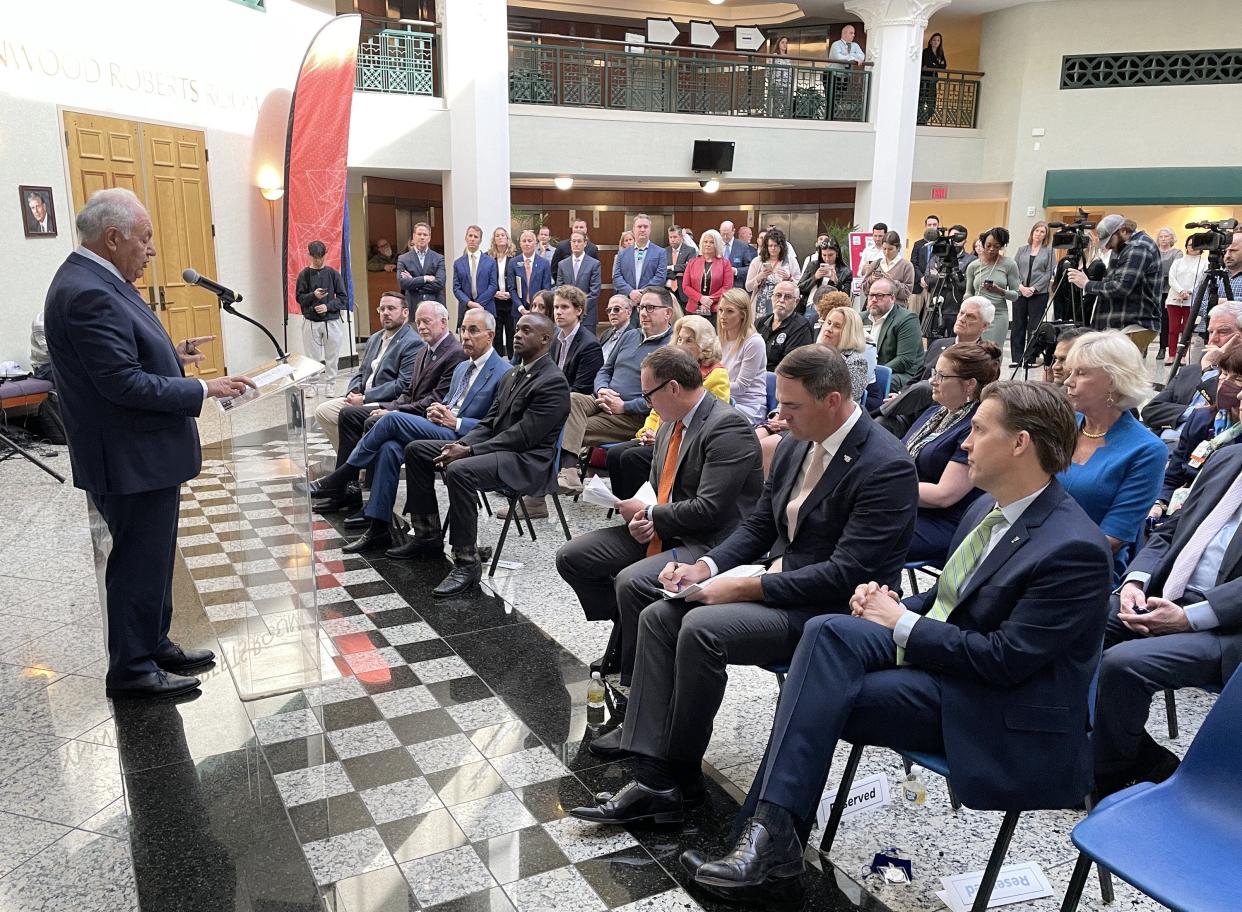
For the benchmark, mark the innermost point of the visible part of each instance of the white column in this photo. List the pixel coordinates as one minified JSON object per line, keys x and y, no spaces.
{"x":894,"y":30}
{"x":474,"y":66}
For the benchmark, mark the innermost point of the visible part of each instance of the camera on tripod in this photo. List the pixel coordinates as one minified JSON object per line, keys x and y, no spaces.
{"x":1215,"y":238}
{"x":948,"y":247}
{"x":1073,"y":237}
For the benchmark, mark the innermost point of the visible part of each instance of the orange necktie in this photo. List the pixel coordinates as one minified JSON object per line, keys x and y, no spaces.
{"x":667,"y":472}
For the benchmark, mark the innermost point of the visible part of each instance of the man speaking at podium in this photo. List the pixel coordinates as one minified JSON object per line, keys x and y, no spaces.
{"x":129,"y":416}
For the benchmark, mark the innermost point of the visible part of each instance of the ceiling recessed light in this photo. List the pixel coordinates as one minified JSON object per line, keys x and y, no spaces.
{"x":563,"y":183}
{"x":715,"y":2}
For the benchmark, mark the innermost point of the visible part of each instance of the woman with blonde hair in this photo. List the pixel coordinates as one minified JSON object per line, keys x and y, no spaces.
{"x":843,"y":331}
{"x":627,"y":240}
{"x":501,"y":249}
{"x":1118,"y":464}
{"x":744,"y":354}
{"x":707,"y":276}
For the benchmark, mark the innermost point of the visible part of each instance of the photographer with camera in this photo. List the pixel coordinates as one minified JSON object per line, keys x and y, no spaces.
{"x":1128,"y":297}
{"x":944,"y":280}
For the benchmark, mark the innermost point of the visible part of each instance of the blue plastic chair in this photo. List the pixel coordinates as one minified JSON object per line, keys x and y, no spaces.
{"x":771,"y":379}
{"x":1172,"y":841}
{"x":883,"y":382}
{"x":516,"y":503}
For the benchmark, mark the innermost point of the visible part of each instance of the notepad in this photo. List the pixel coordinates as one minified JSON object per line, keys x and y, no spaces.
{"x":597,"y":491}
{"x":744,"y":571}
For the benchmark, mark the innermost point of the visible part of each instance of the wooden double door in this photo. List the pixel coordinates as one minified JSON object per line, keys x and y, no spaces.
{"x":166,"y":167}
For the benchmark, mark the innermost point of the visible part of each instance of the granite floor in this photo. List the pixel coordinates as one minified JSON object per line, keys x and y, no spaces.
{"x":431,"y":768}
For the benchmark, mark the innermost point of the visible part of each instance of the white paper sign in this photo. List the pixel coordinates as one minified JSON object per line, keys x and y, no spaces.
{"x":866,"y":795}
{"x":1016,"y":883}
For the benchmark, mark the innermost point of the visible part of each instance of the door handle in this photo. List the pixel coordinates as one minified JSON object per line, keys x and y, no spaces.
{"x":163,"y":304}
{"x":151,"y":298}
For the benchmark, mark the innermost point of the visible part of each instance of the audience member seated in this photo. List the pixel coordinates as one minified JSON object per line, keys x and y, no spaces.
{"x":935,"y":441}
{"x":706,"y":476}
{"x":1195,"y":384}
{"x":896,"y":333}
{"x":1176,"y":622}
{"x":990,"y":667}
{"x":707,"y":277}
{"x":784,"y":329}
{"x":837,"y":509}
{"x":1118,"y":464}
{"x":826,"y":271}
{"x":618,"y":408}
{"x":744,"y":355}
{"x":892,"y":266}
{"x":900,"y":409}
{"x":575,"y":350}
{"x":428,"y":383}
{"x":475,"y":277}
{"x":629,"y":463}
{"x":1057,"y":372}
{"x":843,"y":331}
{"x":581,"y":270}
{"x":513,"y":447}
{"x":382,"y":449}
{"x":827,"y":302}
{"x":1208,"y":429}
{"x":618,"y":315}
{"x":540,"y":303}
{"x":384,"y":371}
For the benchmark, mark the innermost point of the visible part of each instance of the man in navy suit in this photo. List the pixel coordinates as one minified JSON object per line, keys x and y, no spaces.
{"x":838,"y":506}
{"x":129,"y":416}
{"x":640,"y":266}
{"x":382,"y":449}
{"x":737,"y":252}
{"x":475,"y":279}
{"x":677,"y":255}
{"x":990,"y":667}
{"x":528,"y":274}
{"x":565,"y":247}
{"x":582,"y":271}
{"x":420,"y":270}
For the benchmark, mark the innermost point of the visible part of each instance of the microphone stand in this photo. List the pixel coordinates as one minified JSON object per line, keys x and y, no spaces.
{"x":226,"y":304}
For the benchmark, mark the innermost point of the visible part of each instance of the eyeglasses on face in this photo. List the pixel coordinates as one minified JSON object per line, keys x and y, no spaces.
{"x":652,"y":308}
{"x":647,"y":394}
{"x":936,"y":376}
{"x":876,"y":295}
{"x":616,"y":310}
{"x":783,"y":296}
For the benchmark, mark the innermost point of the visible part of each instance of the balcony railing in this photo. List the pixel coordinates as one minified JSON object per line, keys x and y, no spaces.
{"x":557,"y":70}
{"x":949,"y":98}
{"x":399,"y":56}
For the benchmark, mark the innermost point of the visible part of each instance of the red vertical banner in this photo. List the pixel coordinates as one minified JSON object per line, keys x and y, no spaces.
{"x":317,"y":147}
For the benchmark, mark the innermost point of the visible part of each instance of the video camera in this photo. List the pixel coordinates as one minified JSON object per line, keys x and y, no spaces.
{"x":1216,"y":237}
{"x":947,"y":246}
{"x":1073,"y":237}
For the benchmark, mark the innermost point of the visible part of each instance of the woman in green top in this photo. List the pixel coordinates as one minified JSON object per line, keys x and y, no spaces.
{"x":995,"y":276}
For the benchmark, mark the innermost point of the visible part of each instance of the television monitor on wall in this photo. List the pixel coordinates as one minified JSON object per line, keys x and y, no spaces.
{"x":710,"y":155}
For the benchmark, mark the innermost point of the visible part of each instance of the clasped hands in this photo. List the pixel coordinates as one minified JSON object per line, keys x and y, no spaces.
{"x":1149,"y":615}
{"x":438,"y":413}
{"x":877,"y":603}
{"x":610,"y":401}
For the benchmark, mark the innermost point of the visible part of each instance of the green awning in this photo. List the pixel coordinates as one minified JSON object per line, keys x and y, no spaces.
{"x":1144,"y":187}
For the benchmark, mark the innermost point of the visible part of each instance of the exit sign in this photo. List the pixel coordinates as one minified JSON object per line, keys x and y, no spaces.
{"x":940,"y":193}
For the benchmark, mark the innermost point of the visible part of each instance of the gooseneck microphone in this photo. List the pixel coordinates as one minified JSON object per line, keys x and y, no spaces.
{"x":228,"y":294}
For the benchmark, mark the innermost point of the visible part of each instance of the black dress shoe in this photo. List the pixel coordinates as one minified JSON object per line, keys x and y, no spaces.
{"x":608,"y":745}
{"x":152,"y":684}
{"x":691,"y":797}
{"x":692,"y":860}
{"x":417,"y":547}
{"x":460,"y":578}
{"x":370,"y":540}
{"x":359,"y":520}
{"x":634,"y":803}
{"x":759,"y":858}
{"x":179,"y":660}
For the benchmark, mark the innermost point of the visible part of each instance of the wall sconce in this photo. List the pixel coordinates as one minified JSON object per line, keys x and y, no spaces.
{"x":711,"y":185}
{"x":563,"y":183}
{"x":271,"y":194}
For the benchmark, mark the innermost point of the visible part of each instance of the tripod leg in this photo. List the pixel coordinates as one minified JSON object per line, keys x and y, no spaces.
{"x":8,"y":441}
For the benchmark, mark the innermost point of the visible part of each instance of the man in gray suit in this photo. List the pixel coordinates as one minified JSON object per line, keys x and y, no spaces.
{"x":581,"y":270}
{"x":420,"y":270}
{"x":707,"y":473}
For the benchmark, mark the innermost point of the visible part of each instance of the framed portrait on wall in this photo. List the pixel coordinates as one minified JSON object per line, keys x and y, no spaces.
{"x":38,"y":211}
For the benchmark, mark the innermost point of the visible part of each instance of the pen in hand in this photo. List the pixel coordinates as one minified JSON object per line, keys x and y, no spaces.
{"x":676,"y":566}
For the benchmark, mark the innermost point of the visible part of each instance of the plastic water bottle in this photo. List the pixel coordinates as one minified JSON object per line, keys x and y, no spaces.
{"x":913,"y":791}
{"x":595,"y":700}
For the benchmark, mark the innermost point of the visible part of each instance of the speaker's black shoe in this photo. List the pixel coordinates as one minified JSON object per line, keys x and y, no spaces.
{"x":759,"y":858}
{"x":370,"y":540}
{"x":608,"y":745}
{"x":152,"y":684}
{"x":417,"y":547}
{"x":460,"y":578}
{"x":635,"y":803}
{"x":179,"y":660}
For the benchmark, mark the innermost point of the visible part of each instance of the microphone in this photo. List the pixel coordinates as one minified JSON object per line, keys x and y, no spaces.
{"x":930,"y":235}
{"x":193,"y":278}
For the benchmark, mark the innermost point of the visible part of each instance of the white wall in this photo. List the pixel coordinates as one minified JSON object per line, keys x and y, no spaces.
{"x":219,"y":67}
{"x":388,"y":132}
{"x":1098,"y":128}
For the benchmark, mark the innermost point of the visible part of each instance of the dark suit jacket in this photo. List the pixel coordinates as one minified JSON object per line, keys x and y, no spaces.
{"x":486,"y":281}
{"x":1016,"y":656}
{"x":429,"y":382}
{"x":717,"y":479}
{"x":856,"y":525}
{"x":588,"y":281}
{"x":739,"y":256}
{"x":128,"y":407}
{"x":416,"y":290}
{"x":677,"y":266}
{"x":900,"y":346}
{"x":1166,"y":407}
{"x":918,"y":257}
{"x":563,"y":250}
{"x":394,"y":371}
{"x":526,"y":419}
{"x":1196,"y":430}
{"x":481,"y":393}
{"x":583,"y":362}
{"x":540,"y":278}
{"x":1169,"y":538}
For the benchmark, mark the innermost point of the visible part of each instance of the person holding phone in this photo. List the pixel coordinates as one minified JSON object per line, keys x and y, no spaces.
{"x":995,"y":276}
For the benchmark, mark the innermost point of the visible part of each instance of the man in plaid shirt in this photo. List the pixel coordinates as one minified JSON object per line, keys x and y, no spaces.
{"x":1129,"y":296}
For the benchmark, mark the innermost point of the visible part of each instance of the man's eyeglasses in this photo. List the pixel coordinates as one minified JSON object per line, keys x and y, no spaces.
{"x":936,"y":376}
{"x":647,"y":394}
{"x":652,"y":308}
{"x":783,"y":296}
{"x":616,"y":310}
{"x":876,"y":295}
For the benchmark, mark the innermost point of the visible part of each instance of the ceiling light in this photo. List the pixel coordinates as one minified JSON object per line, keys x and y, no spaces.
{"x":715,"y":2}
{"x":711,"y":185}
{"x":563,"y":183}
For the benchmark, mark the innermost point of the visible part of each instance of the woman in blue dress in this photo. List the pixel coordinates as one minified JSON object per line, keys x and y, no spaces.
{"x":935,"y":442}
